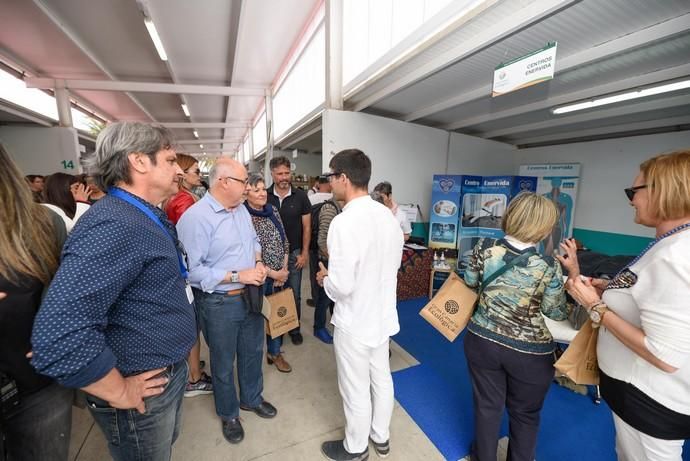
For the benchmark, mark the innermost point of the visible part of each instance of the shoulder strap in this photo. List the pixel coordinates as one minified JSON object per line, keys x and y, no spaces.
{"x":523,"y":257}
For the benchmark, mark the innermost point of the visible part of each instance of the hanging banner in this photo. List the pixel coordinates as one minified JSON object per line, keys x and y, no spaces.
{"x":445,"y":203}
{"x":559,"y":183}
{"x":535,"y":67}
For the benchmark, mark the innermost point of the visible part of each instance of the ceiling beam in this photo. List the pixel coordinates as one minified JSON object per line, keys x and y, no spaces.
{"x":622,"y":128}
{"x":143,"y":87}
{"x":635,"y":40}
{"x":626,"y":109}
{"x":209,"y":141}
{"x":15,"y":110}
{"x":607,"y":88}
{"x":235,"y":124}
{"x":79,"y":43}
{"x":523,"y":18}
{"x":206,"y":151}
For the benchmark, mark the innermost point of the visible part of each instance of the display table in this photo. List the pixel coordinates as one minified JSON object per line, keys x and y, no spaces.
{"x":414,"y":272}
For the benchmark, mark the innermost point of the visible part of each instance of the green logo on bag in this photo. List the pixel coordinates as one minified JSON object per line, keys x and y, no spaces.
{"x":452,"y":307}
{"x":282,"y":311}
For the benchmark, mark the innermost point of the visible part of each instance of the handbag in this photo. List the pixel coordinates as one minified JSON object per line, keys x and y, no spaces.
{"x":579,"y":361}
{"x":450,"y":310}
{"x":253,"y":297}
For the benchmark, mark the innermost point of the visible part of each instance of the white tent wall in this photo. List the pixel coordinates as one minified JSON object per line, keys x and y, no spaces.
{"x":608,"y":166}
{"x":42,"y":150}
{"x":472,"y":155}
{"x":405,"y":154}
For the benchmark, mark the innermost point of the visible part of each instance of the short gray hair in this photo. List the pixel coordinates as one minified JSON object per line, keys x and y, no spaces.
{"x":255,"y":179}
{"x":109,"y":164}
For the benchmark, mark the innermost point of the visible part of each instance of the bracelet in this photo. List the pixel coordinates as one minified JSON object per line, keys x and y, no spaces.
{"x":596,"y":304}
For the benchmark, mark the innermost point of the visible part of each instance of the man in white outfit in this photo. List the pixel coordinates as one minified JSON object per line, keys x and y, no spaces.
{"x":365,"y":248}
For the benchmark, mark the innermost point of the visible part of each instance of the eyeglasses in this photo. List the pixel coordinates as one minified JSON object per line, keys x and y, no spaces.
{"x":630,"y":191}
{"x":330,"y":176}
{"x":242,"y":181}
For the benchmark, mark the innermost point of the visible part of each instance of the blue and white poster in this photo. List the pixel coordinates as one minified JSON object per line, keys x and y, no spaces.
{"x":559,"y":182}
{"x":445,"y":205}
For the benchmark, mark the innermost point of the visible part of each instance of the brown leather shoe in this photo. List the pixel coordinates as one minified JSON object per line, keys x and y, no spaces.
{"x":281,"y":364}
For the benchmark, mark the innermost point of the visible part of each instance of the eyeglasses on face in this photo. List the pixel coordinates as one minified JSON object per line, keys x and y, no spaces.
{"x":331,"y":176}
{"x":630,"y":191}
{"x":244,"y":181}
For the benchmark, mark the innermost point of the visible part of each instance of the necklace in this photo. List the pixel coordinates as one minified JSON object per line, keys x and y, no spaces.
{"x":675,"y":230}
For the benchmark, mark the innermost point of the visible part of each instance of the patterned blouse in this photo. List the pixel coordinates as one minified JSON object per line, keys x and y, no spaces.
{"x":510,"y":309}
{"x":273,"y":250}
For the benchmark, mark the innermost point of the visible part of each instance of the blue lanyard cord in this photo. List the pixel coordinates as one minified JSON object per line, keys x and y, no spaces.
{"x":654,"y":242}
{"x":144,"y":209}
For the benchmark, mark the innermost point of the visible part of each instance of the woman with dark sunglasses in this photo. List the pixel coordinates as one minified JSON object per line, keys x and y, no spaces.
{"x":644,"y":318}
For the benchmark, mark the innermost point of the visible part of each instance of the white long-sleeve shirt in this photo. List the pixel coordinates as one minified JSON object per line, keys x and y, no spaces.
{"x":365,"y":249}
{"x":659,"y":303}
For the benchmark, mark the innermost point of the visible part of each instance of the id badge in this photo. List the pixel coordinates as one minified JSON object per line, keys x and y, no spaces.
{"x":190,"y":294}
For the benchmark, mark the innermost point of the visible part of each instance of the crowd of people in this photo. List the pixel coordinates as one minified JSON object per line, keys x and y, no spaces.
{"x":108,"y":281}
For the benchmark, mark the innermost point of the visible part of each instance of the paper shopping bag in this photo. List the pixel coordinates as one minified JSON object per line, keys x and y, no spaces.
{"x":281,"y":313}
{"x":450,"y":310}
{"x":579,"y":361}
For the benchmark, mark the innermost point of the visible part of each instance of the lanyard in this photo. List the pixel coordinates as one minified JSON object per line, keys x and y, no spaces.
{"x":119,"y":193}
{"x":652,"y":243}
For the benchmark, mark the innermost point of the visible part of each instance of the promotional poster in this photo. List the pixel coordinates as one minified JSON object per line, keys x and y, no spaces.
{"x":445,"y":204}
{"x":559,"y":182}
{"x":484,"y":200}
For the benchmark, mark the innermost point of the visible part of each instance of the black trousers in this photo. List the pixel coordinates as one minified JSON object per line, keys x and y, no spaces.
{"x":505,"y":378}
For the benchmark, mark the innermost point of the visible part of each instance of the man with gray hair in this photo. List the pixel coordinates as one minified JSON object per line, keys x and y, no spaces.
{"x":225,"y":268}
{"x":118,"y":320}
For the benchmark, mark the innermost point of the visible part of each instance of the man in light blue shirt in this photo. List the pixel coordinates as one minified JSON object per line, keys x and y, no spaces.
{"x":224,"y":257}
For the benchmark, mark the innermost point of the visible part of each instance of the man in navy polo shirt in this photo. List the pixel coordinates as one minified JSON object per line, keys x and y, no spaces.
{"x":118,"y":320}
{"x":295,"y":211}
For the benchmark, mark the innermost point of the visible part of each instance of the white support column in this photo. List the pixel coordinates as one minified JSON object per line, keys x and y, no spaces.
{"x":269,"y":138}
{"x":334,"y":54}
{"x":63,"y":106}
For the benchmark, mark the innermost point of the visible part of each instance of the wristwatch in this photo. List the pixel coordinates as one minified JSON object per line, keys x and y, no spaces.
{"x":597,"y":312}
{"x":234,"y":277}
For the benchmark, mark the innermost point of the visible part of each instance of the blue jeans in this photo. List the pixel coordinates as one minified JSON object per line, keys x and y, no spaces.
{"x":295,"y":282}
{"x":39,"y":428}
{"x":133,"y":436}
{"x":272,"y":345}
{"x":231,"y":330}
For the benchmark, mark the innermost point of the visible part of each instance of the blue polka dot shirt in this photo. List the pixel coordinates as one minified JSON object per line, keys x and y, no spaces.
{"x":117,"y":300}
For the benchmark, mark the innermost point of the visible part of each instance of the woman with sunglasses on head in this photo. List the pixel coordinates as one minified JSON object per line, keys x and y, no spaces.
{"x":199,"y":382}
{"x":184,"y":198}
{"x":644,"y":318}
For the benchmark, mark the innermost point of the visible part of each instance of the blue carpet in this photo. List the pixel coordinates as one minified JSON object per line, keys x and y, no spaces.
{"x":438,"y":396}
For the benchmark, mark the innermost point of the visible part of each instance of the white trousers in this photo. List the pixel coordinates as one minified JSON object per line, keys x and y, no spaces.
{"x":633,"y":445}
{"x":366,"y":386}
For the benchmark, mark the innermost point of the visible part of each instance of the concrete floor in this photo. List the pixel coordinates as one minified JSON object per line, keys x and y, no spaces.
{"x":309,"y":413}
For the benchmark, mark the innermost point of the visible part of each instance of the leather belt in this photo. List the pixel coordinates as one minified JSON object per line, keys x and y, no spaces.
{"x":236,"y":292}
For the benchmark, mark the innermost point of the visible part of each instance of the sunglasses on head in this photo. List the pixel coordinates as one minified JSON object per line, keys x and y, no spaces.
{"x":630,"y":191}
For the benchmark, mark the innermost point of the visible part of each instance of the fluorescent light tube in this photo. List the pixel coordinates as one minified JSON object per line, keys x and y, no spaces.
{"x":601,"y":101}
{"x":196,"y":134}
{"x":151,"y":27}
{"x":185,"y":110}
